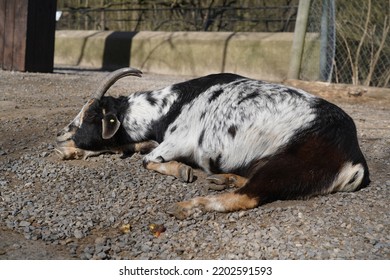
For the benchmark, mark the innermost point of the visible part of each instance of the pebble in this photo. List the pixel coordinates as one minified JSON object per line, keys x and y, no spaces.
{"x":24,"y":224}
{"x":78,"y":234}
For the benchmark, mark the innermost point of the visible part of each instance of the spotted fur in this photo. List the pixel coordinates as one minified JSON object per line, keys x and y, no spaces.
{"x":283,"y":142}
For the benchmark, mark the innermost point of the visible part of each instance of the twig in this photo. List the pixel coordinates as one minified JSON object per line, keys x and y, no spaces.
{"x":348,"y":50}
{"x":374,"y":60}
{"x":355,"y":70}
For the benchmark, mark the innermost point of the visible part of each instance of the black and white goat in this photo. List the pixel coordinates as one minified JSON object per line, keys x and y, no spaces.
{"x":271,"y":141}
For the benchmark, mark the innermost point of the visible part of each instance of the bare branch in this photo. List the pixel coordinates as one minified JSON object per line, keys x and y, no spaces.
{"x":385,"y":77}
{"x":349,"y":53}
{"x":376,"y":57}
{"x":355,"y":71}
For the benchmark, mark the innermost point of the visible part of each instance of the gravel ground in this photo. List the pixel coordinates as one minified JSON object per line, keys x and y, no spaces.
{"x":101,"y":208}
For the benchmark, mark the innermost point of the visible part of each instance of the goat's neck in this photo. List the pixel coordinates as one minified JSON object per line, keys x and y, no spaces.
{"x":146,"y":108}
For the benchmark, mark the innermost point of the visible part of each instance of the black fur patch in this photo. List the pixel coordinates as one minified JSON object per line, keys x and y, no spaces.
{"x":249,"y":96}
{"x":164,"y":102}
{"x":89,"y":135}
{"x":215,"y":94}
{"x":215,"y":165}
{"x":200,"y":140}
{"x":173,"y":128}
{"x":236,"y":83}
{"x":152,"y":100}
{"x":232,"y":130}
{"x":292,"y":91}
{"x":353,"y":178}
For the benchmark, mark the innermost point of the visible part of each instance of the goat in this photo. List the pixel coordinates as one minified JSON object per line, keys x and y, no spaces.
{"x":271,"y":141}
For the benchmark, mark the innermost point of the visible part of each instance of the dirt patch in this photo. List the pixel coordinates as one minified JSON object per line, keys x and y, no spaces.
{"x":34,"y":107}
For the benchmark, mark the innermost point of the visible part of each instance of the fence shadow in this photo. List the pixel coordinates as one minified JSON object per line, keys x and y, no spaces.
{"x":117,"y":48}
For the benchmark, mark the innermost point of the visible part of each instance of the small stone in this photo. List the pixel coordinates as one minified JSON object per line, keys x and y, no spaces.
{"x":86,"y":256}
{"x":180,"y":251}
{"x":89,"y":250}
{"x":24,"y":224}
{"x":100,"y":240}
{"x":101,"y":255}
{"x":78,"y":234}
{"x":242,"y":214}
{"x":44,"y":154}
{"x":16,"y":246}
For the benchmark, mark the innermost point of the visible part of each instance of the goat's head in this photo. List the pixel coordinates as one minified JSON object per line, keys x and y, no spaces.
{"x":96,"y":128}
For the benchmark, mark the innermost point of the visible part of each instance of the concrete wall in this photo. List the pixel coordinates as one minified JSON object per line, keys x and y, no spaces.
{"x":258,"y":55}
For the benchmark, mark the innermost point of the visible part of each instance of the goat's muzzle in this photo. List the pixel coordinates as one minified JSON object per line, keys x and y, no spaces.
{"x":68,"y":150}
{"x":66,"y":147}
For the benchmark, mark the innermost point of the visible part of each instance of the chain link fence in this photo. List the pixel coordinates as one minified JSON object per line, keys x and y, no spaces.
{"x":355,"y":41}
{"x":353,"y":35}
{"x":179,"y":15}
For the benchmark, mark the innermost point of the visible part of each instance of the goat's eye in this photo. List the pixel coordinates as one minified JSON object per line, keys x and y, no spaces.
{"x":112,"y":120}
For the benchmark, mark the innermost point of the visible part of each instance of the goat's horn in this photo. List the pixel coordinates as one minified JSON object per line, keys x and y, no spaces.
{"x":113,"y":77}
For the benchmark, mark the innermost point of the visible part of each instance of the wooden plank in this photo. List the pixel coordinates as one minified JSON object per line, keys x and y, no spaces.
{"x":9,"y":27}
{"x":27,"y":33}
{"x":2,"y":30}
{"x":19,"y":46}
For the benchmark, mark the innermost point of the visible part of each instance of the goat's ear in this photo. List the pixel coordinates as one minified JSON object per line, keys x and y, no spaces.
{"x":110,"y":125}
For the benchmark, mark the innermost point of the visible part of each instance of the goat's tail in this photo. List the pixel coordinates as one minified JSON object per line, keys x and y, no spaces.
{"x":350,"y":178}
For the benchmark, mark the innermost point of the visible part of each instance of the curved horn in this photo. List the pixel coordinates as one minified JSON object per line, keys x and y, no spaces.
{"x":113,"y":77}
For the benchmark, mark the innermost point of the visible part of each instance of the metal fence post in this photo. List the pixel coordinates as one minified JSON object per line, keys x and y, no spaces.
{"x":328,"y":40}
{"x":299,"y":39}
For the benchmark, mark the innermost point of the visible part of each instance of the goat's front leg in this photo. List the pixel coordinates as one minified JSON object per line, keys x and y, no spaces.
{"x":172,"y":168}
{"x":162,"y":160}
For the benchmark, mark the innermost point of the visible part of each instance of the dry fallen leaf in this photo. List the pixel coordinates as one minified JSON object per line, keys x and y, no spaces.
{"x":156,"y":229}
{"x":125,"y":228}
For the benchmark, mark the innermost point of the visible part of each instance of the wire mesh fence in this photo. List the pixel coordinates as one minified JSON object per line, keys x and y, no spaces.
{"x":179,"y":15}
{"x":355,"y":40}
{"x":353,"y":35}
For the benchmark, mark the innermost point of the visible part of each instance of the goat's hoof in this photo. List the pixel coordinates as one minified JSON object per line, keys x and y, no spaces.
{"x":178,"y":211}
{"x":218,"y":179}
{"x":230,"y":180}
{"x":219,"y":182}
{"x":186,"y":174}
{"x":215,"y":187}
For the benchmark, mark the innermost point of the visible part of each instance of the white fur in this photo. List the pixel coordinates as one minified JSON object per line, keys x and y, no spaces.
{"x":141,"y":113}
{"x":264,"y":125}
{"x":342,"y":181}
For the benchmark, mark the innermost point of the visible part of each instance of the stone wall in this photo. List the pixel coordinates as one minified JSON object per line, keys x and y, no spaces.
{"x":258,"y":55}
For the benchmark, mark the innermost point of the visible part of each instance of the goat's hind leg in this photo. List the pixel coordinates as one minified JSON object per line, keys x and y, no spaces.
{"x":226,"y":202}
